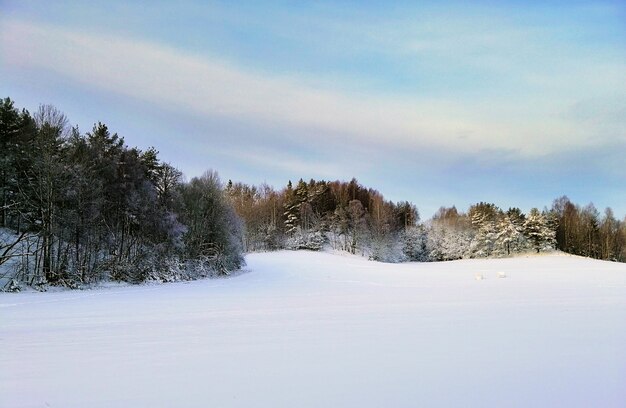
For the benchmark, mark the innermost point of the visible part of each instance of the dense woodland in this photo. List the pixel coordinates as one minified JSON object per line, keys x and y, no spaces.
{"x":78,"y":208}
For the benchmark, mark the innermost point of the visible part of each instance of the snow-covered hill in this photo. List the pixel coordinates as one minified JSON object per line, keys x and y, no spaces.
{"x":314,"y":329}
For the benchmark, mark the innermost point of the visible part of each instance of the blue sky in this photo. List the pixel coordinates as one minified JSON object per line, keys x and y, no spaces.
{"x":439,"y":103}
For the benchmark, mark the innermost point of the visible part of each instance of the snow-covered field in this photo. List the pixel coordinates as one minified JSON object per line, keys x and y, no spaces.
{"x":320,"y":330}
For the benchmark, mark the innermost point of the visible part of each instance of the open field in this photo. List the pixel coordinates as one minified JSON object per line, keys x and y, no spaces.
{"x":302,"y":329}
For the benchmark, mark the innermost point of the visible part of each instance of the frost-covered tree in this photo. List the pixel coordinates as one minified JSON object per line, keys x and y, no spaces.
{"x":447,"y":244}
{"x":538,"y":231}
{"x":85,"y":207}
{"x":509,"y":235}
{"x":485,"y":237}
{"x":415,"y":244}
{"x":484,"y":217}
{"x":304,"y":239}
{"x":292,"y":209}
{"x":213,"y":228}
{"x":449,"y":235}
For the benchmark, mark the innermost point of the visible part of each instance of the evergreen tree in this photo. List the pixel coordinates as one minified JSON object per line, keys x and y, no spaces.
{"x":509,"y":233}
{"x":483,"y":217}
{"x":415,"y":240}
{"x":17,"y":138}
{"x":292,"y":210}
{"x":538,"y":231}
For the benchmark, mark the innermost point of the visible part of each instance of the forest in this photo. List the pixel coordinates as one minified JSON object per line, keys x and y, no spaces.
{"x":80,"y":208}
{"x":350,"y":217}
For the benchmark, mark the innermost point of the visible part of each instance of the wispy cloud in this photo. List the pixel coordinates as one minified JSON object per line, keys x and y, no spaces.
{"x":210,"y":86}
{"x":287,"y":164}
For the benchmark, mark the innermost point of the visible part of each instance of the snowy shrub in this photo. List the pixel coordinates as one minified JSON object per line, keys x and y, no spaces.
{"x":122,"y":271}
{"x":310,"y":240}
{"x":204,"y":267}
{"x":387,"y":250}
{"x":12,"y":286}
{"x":168,"y":270}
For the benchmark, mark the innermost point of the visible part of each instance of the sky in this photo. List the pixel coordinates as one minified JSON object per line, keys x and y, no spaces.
{"x":439,"y":103}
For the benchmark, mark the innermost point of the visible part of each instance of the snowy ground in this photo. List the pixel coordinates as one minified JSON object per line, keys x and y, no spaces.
{"x":319,"y":330}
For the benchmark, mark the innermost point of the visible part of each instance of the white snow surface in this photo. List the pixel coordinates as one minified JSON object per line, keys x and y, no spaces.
{"x":303,"y":329}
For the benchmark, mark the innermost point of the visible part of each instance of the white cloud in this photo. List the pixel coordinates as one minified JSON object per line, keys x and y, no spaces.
{"x":208,"y":86}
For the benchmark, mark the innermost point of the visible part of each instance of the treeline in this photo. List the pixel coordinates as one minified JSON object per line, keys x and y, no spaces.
{"x":484,"y":231}
{"x":350,"y":217}
{"x":76,"y":208}
{"x":344,"y":215}
{"x":583,"y":231}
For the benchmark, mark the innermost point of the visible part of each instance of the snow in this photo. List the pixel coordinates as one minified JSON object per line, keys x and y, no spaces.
{"x":303,"y":329}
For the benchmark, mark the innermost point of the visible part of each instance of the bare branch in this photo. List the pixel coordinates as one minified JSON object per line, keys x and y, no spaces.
{"x":6,"y":255}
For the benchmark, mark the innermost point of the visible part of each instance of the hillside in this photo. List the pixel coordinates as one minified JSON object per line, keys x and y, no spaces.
{"x":316,"y":329}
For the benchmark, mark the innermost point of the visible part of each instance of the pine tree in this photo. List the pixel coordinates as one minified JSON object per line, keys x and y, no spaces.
{"x":538,"y":231}
{"x":17,"y":133}
{"x":414,"y":240}
{"x":483,"y":217}
{"x":292,"y":210}
{"x":508,"y":235}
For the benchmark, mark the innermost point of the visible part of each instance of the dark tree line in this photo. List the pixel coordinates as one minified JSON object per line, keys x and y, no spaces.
{"x":83,"y":207}
{"x":584,"y":231}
